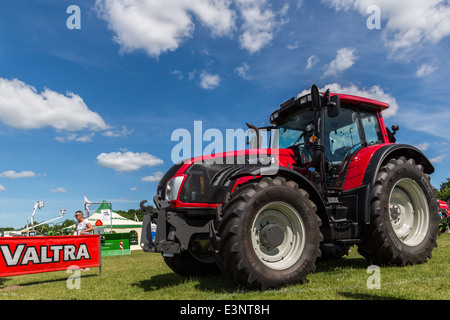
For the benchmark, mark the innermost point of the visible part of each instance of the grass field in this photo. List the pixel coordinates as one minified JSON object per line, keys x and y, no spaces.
{"x":144,"y":276}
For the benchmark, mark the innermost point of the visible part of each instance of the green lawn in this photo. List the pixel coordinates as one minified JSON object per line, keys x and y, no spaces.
{"x":144,"y":276}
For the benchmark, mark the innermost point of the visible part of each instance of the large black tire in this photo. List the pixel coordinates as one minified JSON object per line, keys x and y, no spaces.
{"x":404,"y":216}
{"x":286,"y":217}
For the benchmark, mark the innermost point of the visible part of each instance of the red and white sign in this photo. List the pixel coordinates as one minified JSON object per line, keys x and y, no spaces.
{"x":24,"y":255}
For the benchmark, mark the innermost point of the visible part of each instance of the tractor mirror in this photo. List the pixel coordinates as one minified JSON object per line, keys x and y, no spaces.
{"x":315,"y":98}
{"x":334,"y":106}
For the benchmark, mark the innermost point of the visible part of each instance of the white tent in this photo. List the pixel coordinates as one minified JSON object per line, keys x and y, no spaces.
{"x":111,"y":219}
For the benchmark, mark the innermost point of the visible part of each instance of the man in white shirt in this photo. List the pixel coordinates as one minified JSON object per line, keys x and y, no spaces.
{"x":83,"y":225}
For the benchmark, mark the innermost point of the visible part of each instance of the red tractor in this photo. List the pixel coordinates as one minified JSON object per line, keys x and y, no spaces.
{"x":334,"y":179}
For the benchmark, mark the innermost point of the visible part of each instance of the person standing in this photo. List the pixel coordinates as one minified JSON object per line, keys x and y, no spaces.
{"x":83,"y":226}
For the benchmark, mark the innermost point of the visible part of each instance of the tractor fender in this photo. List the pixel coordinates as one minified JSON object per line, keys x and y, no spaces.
{"x":389,"y":151}
{"x":290,"y":174}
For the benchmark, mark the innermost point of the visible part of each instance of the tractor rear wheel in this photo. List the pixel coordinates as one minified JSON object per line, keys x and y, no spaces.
{"x":404,"y":216}
{"x":267,"y":234}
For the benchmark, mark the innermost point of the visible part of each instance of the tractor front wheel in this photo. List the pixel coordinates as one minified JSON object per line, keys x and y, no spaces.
{"x":268,"y":234}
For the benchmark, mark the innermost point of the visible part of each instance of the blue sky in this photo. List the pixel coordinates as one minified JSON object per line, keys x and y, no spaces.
{"x":91,"y":110}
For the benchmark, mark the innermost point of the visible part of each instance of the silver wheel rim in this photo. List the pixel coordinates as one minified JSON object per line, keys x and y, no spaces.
{"x":289,"y":251}
{"x":409,"y":212}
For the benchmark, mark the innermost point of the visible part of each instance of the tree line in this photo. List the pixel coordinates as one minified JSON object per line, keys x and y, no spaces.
{"x":444,"y":191}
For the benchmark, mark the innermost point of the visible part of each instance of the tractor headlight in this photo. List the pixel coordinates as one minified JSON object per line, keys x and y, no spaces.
{"x":173,"y":187}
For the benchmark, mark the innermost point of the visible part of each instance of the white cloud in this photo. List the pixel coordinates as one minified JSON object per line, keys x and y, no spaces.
{"x":209,"y":81}
{"x":127,"y":161}
{"x":293,"y":46}
{"x":23,"y":107}
{"x":177,"y":73}
{"x":118,"y":133}
{"x":160,"y":26}
{"x":58,"y":190}
{"x":312,"y":61}
{"x":259,"y":24}
{"x":425,"y":70}
{"x":375,"y":92}
{"x":157,"y":27}
{"x":154,"y":178}
{"x":242,"y":71}
{"x":192,"y":74}
{"x":2,"y":188}
{"x":438,"y":159}
{"x":76,"y":137}
{"x":344,"y":60}
{"x":423,"y":146}
{"x":429,"y":121}
{"x":408,"y":22}
{"x":15,"y":175}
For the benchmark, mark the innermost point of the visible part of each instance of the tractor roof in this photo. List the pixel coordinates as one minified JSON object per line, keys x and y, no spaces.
{"x":289,"y":105}
{"x":363,"y":102}
{"x":345,"y":98}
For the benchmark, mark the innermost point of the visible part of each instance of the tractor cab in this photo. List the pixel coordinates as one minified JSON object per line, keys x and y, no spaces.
{"x":325,"y":131}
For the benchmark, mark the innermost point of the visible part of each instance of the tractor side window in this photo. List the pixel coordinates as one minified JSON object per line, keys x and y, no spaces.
{"x":342,"y":139}
{"x":345,"y":138}
{"x":371,"y":128}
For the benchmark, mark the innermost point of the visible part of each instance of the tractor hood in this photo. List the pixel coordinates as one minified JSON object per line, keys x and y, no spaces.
{"x":207,"y":179}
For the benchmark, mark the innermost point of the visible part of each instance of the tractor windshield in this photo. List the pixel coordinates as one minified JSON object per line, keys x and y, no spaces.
{"x":293,"y":131}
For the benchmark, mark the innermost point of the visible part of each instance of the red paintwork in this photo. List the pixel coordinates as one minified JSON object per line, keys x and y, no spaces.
{"x":346,"y":98}
{"x":242,"y":180}
{"x":382,"y":127}
{"x":358,"y":165}
{"x":284,"y":158}
{"x":179,"y":204}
